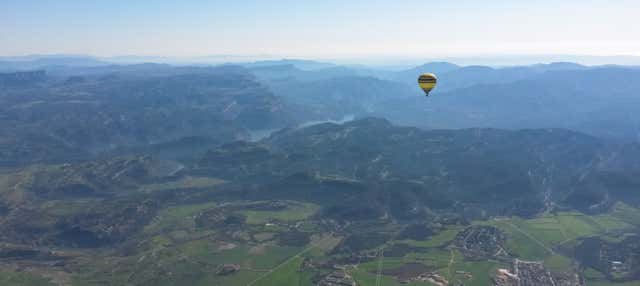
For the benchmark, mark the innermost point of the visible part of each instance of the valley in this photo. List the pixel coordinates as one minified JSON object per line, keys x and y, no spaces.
{"x":275,"y":211}
{"x":269,"y":174}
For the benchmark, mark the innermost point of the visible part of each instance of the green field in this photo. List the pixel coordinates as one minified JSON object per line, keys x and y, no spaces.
{"x":445,"y":262}
{"x":530,"y":239}
{"x":294,"y":212}
{"x":366,"y":278}
{"x":287,"y":274}
{"x":288,"y":271}
{"x":437,"y":240}
{"x":557,"y":263}
{"x":480,"y":272}
{"x":188,"y":252}
{"x":535,"y":239}
{"x":626,"y":214}
{"x":177,"y":217}
{"x":22,"y":279}
{"x":183,"y":183}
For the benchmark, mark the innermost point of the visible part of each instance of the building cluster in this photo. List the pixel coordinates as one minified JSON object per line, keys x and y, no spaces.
{"x":529,"y":273}
{"x":337,"y":278}
{"x":227,"y":269}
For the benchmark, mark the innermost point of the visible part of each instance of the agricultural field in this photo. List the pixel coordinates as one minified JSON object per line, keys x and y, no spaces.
{"x":295,"y":212}
{"x":538,"y":239}
{"x":282,"y":243}
{"x":191,"y":229}
{"x":19,"y":279}
{"x":286,"y":246}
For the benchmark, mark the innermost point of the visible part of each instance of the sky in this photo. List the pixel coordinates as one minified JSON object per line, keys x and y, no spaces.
{"x":319,"y":29}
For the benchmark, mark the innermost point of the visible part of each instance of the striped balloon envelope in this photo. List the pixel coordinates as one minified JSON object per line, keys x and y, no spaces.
{"x":427,"y":82}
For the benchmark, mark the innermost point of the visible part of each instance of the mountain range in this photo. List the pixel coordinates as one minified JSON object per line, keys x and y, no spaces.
{"x":247,"y":174}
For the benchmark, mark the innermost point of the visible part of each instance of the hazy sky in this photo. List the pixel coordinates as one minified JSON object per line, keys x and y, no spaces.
{"x":323,"y":28}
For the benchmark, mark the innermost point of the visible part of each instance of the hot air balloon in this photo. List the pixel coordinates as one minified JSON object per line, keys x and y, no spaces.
{"x":427,"y":82}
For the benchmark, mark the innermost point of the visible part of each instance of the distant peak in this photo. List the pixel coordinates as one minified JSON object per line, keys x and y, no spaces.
{"x":371,"y":120}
